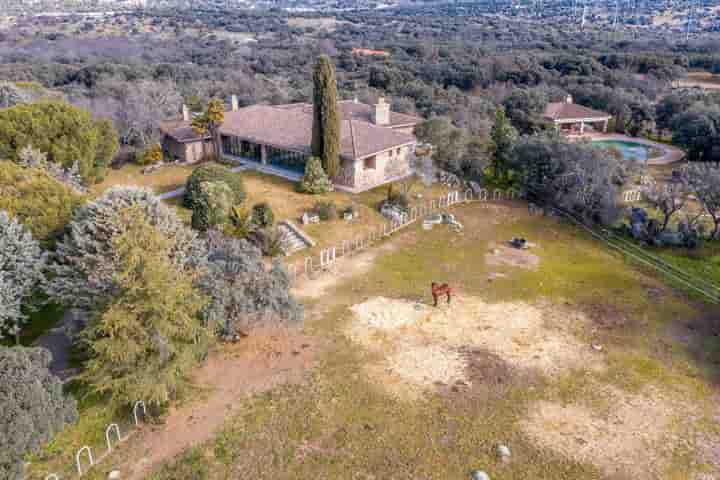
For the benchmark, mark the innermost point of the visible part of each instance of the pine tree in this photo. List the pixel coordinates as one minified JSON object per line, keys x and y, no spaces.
{"x":146,"y":340}
{"x":326,"y":117}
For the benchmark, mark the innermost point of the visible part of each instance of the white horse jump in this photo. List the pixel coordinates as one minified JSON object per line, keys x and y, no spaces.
{"x":77,"y":459}
{"x":110,"y":428}
{"x":632,"y":195}
{"x":327,"y":256}
{"x":139,"y":404}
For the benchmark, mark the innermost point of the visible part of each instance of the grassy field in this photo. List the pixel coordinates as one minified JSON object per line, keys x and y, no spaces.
{"x":343,"y":422}
{"x":601,"y":384}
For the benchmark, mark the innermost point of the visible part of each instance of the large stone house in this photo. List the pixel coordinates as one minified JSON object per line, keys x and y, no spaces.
{"x":376,"y":143}
{"x":573,"y":119}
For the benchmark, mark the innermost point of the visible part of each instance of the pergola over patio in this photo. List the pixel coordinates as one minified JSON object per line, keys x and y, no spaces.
{"x":572,"y":119}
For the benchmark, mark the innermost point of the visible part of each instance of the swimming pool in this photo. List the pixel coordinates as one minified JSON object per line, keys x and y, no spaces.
{"x":636,"y":152}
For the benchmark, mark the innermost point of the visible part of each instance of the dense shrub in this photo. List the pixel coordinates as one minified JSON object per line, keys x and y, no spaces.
{"x":262,"y":215}
{"x":85,"y":266}
{"x":21,"y":273}
{"x":315,"y":179}
{"x":326,"y":210}
{"x":150,"y":156}
{"x":244,"y":293}
{"x":44,"y":205}
{"x":211,"y":206}
{"x":65,"y":133}
{"x":213,"y":172}
{"x":33,"y":406}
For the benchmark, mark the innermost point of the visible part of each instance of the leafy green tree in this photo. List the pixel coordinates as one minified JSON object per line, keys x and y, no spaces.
{"x":315,"y":180}
{"x":698,"y":131}
{"x":144,"y":343}
{"x":502,"y":140}
{"x":213,"y":172}
{"x":65,"y":133}
{"x":85,"y":263}
{"x":34,"y":408}
{"x":21,"y":273}
{"x":44,"y":205}
{"x":326,"y":131}
{"x":212,"y":206}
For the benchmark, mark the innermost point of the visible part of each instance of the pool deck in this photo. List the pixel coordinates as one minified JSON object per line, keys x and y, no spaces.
{"x":670,"y":154}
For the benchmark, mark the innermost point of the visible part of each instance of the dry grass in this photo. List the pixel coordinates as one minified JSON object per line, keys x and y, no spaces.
{"x":342,"y":423}
{"x":166,"y":179}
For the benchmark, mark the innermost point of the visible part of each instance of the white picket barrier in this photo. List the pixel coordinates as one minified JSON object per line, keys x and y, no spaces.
{"x":137,"y":405}
{"x":77,"y":459}
{"x":110,"y":428}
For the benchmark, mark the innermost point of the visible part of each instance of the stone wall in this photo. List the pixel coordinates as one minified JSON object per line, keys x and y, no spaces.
{"x":387,"y":167}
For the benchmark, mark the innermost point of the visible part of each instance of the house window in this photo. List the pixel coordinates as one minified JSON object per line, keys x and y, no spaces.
{"x":369,"y":163}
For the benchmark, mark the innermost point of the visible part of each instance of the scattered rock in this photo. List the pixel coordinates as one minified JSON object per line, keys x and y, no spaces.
{"x":114,"y":475}
{"x":503,"y":452}
{"x":479,"y":475}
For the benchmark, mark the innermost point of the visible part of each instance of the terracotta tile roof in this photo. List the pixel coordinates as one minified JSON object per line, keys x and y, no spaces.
{"x":290,"y":127}
{"x":180,"y":130}
{"x":349,"y":109}
{"x":571,"y":111}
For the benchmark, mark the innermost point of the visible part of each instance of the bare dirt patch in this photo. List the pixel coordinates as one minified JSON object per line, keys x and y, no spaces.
{"x":340,"y":271}
{"x":606,"y":316}
{"x":628,"y":436}
{"x":265,"y":359}
{"x":420,"y":346}
{"x":503,"y":255}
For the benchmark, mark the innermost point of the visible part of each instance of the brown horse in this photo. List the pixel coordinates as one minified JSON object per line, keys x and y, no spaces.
{"x":440,"y":289}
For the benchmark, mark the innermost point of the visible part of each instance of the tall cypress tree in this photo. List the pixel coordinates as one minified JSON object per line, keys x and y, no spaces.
{"x":326,"y":117}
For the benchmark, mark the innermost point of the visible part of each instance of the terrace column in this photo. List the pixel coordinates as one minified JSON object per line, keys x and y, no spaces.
{"x":582,"y":127}
{"x":263,"y":154}
{"x":605,"y":125}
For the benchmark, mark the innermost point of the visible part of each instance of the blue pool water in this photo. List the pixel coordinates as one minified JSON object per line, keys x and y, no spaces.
{"x":636,"y":152}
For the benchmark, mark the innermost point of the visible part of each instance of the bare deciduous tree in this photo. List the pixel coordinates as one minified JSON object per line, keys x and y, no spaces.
{"x":669,"y":198}
{"x":704,"y":182}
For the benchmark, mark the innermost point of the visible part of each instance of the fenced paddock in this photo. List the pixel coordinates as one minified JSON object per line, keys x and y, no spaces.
{"x":312,"y":265}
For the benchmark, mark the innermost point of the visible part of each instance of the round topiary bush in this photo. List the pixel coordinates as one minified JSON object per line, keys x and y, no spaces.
{"x":212,"y":205}
{"x":213,"y":172}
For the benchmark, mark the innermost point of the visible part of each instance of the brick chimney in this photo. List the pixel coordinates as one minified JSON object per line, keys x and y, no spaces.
{"x":185,"y":113}
{"x":234,"y":103}
{"x":381,"y":115}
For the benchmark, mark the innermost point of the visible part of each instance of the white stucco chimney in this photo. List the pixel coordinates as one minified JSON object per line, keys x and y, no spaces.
{"x":185,"y":113}
{"x":355,"y":100}
{"x":381,"y":115}
{"x":569,"y":99}
{"x":234,"y":102}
